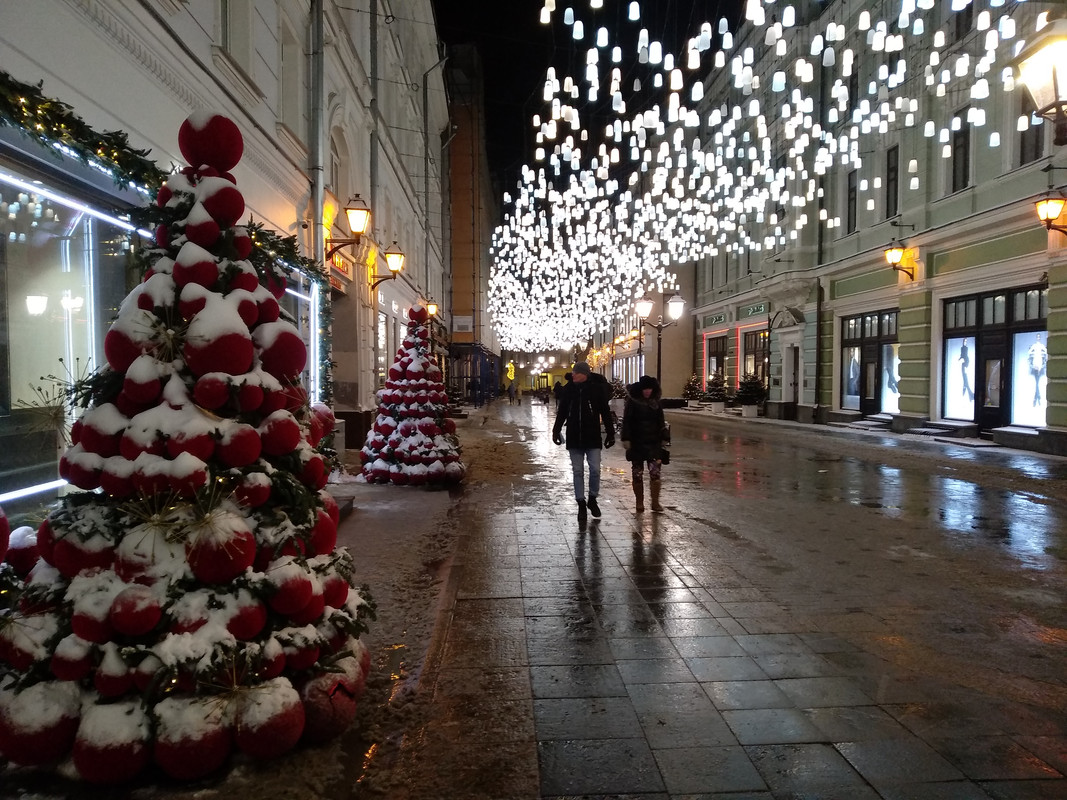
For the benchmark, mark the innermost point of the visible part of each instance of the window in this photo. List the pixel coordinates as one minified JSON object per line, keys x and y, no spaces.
{"x":963,"y":20}
{"x":961,"y":151}
{"x":757,"y":353}
{"x":851,"y":201}
{"x":870,"y":363}
{"x":236,"y":31}
{"x":892,"y":181}
{"x":291,"y":83}
{"x":1032,"y":139}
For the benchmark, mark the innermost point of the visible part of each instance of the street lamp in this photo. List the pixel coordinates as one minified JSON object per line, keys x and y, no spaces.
{"x":1042,"y":68}
{"x":358,"y":214}
{"x":675,"y":309}
{"x":394,"y":259}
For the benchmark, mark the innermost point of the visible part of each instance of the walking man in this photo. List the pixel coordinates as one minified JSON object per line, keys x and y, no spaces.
{"x":583,"y":407}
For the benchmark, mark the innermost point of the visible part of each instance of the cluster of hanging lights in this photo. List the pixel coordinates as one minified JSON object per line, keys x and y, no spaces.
{"x":606,"y":210}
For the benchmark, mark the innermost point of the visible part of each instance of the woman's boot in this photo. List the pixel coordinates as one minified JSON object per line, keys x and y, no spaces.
{"x":639,"y":492}
{"x":654,"y":487}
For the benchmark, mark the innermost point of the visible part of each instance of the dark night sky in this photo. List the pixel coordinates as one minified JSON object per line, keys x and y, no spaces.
{"x":517,"y":49}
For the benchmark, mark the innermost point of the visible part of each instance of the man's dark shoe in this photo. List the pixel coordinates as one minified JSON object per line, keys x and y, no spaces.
{"x":581,"y":511}
{"x":594,"y":509}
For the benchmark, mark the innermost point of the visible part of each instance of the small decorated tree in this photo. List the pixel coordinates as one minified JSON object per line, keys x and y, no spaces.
{"x":750,"y":393}
{"x":413,"y":440}
{"x":716,"y":390}
{"x":190,"y":600}
{"x":692,"y":390}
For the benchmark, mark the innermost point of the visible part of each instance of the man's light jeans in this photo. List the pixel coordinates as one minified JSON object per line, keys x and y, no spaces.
{"x":578,"y":457}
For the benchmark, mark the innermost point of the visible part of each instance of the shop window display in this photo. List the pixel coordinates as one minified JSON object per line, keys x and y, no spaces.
{"x":1029,"y":378}
{"x":959,"y":378}
{"x":850,"y":380}
{"x":62,"y":278}
{"x":890,"y":399}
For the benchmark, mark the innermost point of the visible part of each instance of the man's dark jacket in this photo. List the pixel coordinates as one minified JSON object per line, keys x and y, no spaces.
{"x":583,"y":407}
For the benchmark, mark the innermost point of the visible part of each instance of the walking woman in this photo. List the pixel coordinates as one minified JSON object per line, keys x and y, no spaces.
{"x":643,"y":433}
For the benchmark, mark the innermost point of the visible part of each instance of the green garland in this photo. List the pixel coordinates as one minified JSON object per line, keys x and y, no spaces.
{"x":51,"y":122}
{"x":54,"y":126}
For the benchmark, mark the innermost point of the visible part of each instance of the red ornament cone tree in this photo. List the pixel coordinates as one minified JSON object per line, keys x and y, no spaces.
{"x":191,"y":601}
{"x":413,"y":441}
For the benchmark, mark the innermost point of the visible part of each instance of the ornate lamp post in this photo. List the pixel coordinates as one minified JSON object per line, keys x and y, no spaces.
{"x":675,"y":309}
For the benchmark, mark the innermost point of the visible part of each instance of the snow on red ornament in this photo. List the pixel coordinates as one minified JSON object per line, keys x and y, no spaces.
{"x":329,"y":706}
{"x":242,"y":242}
{"x":135,"y":611}
{"x":329,"y":502}
{"x":310,"y":613}
{"x":194,"y":264}
{"x":280,"y":433}
{"x":72,"y":659}
{"x":200,"y":228}
{"x":193,"y":737}
{"x":292,"y":586}
{"x":282,"y":352}
{"x":22,"y":551}
{"x":242,"y":275}
{"x":38,"y":723}
{"x":269,"y":721}
{"x":335,"y":591}
{"x":111,"y":746}
{"x":221,"y":547}
{"x":212,"y":390}
{"x":253,"y":489}
{"x":230,"y":351}
{"x":238,"y":446}
{"x":419,"y":314}
{"x":222,"y":200}
{"x":207,"y":138}
{"x":249,"y":617}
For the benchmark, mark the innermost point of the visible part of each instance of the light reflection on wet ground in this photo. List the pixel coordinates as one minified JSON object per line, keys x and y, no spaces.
{"x":813,"y":616}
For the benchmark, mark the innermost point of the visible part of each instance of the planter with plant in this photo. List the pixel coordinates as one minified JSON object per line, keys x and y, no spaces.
{"x":715,"y":394}
{"x":750,"y":393}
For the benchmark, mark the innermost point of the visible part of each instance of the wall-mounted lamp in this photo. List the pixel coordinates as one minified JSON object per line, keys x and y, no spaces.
{"x":394,"y":259}
{"x":358,"y":213}
{"x":894,"y":256}
{"x":1042,"y":68}
{"x":1049,"y":208}
{"x":431,"y":308}
{"x":36,"y":304}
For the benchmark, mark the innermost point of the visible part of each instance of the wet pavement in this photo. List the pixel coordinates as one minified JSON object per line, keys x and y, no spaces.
{"x":817,"y":614}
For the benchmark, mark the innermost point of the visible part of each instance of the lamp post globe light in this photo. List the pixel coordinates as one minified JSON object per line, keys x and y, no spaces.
{"x":675,"y":309}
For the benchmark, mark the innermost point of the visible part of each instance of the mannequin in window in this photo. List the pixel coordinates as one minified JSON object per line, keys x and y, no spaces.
{"x":854,"y":374}
{"x":965,"y":363}
{"x":1037,"y":361}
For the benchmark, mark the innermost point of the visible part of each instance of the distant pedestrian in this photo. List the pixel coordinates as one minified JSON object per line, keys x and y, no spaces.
{"x":518,"y":392}
{"x":643,"y":436}
{"x":583,"y":408}
{"x":511,"y":393}
{"x":556,"y":390}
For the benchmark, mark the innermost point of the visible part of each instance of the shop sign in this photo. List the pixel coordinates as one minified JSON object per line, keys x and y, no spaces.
{"x":751,"y":311}
{"x":714,"y":319}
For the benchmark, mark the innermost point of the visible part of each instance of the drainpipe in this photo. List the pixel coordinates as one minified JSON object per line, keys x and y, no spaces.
{"x":318,"y":98}
{"x":426,"y":169}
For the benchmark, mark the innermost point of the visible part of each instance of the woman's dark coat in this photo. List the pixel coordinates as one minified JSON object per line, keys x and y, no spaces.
{"x":643,"y":423}
{"x":583,"y":407}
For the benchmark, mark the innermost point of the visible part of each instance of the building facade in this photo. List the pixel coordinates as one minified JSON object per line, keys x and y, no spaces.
{"x":476,"y":368}
{"x":899,"y":132}
{"x":333,"y":100}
